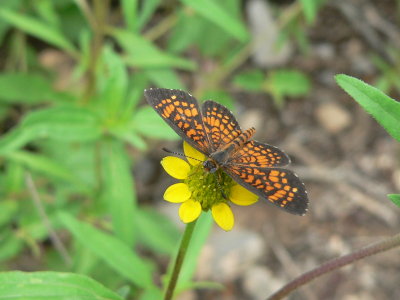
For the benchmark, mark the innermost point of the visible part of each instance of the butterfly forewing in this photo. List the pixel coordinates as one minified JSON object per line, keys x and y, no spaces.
{"x":221,"y":126}
{"x":280,"y":186}
{"x":181,"y":111}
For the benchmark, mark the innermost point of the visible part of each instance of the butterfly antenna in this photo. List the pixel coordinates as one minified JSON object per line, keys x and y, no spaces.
{"x":180,"y":154}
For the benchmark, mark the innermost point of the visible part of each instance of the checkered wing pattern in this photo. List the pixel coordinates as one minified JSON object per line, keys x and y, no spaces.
{"x":279,"y":186}
{"x":256,"y":154}
{"x":220,"y":124}
{"x":181,"y":111}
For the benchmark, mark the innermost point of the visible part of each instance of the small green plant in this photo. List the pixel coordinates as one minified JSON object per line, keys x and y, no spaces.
{"x":280,"y":84}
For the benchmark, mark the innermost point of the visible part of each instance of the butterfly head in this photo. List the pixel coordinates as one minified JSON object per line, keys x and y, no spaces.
{"x":210,"y":166}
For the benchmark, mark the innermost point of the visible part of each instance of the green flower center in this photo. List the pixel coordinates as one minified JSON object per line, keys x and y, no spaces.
{"x":208,"y":188}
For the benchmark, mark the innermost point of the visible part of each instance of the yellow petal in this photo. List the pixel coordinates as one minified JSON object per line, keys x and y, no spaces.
{"x":223,"y":216}
{"x":176,"y":167}
{"x":177,"y":193}
{"x":241,"y":196}
{"x":189,"y":211}
{"x":191,"y":152}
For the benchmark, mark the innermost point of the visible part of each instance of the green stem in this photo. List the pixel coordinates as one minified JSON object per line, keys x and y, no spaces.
{"x":336,"y":263}
{"x":179,"y":260}
{"x":98,"y":22}
{"x":160,"y":29}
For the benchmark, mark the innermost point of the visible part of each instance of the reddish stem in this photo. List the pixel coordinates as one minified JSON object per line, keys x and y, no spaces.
{"x":336,"y":263}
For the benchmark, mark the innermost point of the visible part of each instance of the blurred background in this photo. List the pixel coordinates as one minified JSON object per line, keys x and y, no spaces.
{"x":79,"y":144}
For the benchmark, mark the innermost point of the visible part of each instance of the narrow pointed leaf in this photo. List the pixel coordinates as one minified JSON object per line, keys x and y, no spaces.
{"x":395,"y":198}
{"x":41,"y":164}
{"x":52,"y":285}
{"x":111,"y":250}
{"x":383,"y":108}
{"x":212,"y":11}
{"x":120,"y":191}
{"x":66,"y":123}
{"x":37,"y":28}
{"x":142,"y":53}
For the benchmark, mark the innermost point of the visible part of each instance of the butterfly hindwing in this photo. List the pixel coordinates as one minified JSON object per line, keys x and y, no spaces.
{"x":279,"y":186}
{"x":256,"y":154}
{"x":181,"y":111}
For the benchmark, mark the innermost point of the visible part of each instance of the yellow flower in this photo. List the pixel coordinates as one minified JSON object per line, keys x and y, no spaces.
{"x":200,"y":190}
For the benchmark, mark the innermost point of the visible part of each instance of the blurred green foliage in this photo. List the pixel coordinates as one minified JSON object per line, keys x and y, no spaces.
{"x":71,"y":85}
{"x":279,"y":83}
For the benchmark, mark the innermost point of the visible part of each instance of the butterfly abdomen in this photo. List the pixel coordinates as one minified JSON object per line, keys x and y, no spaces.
{"x":221,"y":156}
{"x":242,"y":139}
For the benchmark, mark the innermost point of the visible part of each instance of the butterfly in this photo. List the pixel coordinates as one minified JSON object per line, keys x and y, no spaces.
{"x":214,"y":131}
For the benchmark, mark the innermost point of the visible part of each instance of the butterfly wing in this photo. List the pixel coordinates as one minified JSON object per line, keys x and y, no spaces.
{"x":181,"y":111}
{"x":256,"y":154}
{"x":279,"y":186}
{"x":220,"y":124}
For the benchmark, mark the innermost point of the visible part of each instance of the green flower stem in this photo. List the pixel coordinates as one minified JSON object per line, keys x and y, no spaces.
{"x":187,"y":235}
{"x":336,"y":263}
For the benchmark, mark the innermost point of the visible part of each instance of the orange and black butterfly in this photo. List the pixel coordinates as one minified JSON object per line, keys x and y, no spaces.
{"x":215,"y":132}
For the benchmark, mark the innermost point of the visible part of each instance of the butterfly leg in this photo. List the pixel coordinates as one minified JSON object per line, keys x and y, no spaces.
{"x":217,"y":178}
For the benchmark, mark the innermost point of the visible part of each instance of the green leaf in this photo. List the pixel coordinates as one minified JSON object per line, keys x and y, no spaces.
{"x":4,"y":26}
{"x":187,"y":31}
{"x":113,"y":83}
{"x":212,"y":11}
{"x":80,"y":158}
{"x":8,"y":209}
{"x":141,"y":53}
{"x":52,"y":285}
{"x":156,"y":231}
{"x":129,"y":11}
{"x":395,"y":198}
{"x":151,"y":294}
{"x":220,"y":96}
{"x":46,"y":10}
{"x":383,"y":108}
{"x":288,"y":83}
{"x":147,"y":122}
{"x":25,"y":88}
{"x":310,"y":8}
{"x":216,"y":43}
{"x":282,"y":83}
{"x":16,"y":139}
{"x":148,"y":8}
{"x":251,"y":80}
{"x":64,"y":123}
{"x":120,"y":191}
{"x":111,"y":250}
{"x":37,"y":28}
{"x":138,"y":82}
{"x":165,"y":78}
{"x":41,"y":164}
{"x":10,"y":246}
{"x":14,"y":181}
{"x":130,"y":137}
